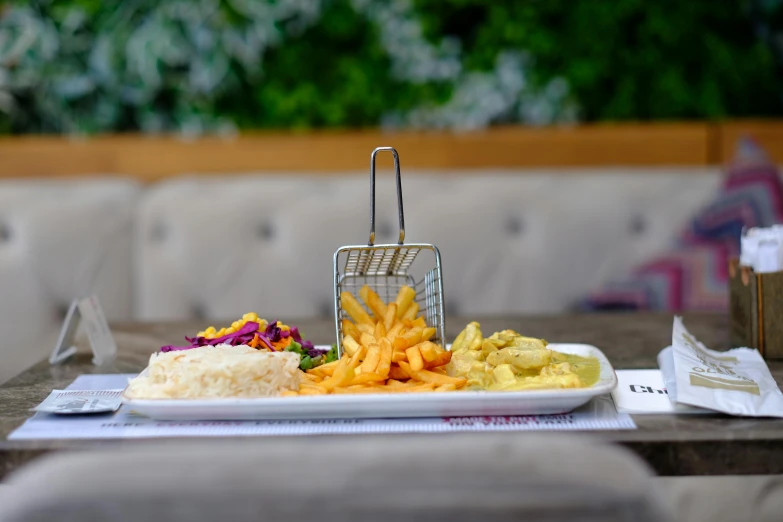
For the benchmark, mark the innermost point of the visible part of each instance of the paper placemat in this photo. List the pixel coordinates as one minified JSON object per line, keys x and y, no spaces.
{"x":599,"y":414}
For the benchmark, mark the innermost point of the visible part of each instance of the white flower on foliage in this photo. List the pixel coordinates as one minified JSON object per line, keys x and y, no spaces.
{"x":140,"y":49}
{"x":413,"y":58}
{"x":502,"y":95}
{"x":478,"y":98}
{"x":78,"y":80}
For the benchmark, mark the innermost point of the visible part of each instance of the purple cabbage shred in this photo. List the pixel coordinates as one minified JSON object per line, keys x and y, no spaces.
{"x":242,"y":336}
{"x":245,"y":335}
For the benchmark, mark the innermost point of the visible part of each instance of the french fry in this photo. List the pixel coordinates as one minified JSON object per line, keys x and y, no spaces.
{"x":390,"y":318}
{"x":432,"y":377}
{"x":354,"y":309}
{"x":412,"y":336}
{"x":442,"y":359}
{"x":429,"y":351}
{"x":427,"y":333}
{"x":367,"y":339}
{"x":394,"y":331}
{"x":412,"y":311}
{"x":350,"y":329}
{"x":404,"y":299}
{"x":350,"y":345}
{"x":368,"y":377}
{"x":400,"y":344}
{"x":359,"y":389}
{"x":366,"y":328}
{"x":386,"y":351}
{"x":370,"y":362}
{"x":374,"y":302}
{"x":343,"y":374}
{"x":420,"y":387}
{"x":414,"y":358}
{"x":385,"y":360}
{"x":326,"y":369}
{"x":397,"y":373}
{"x":357,"y":357}
{"x":380,"y":330}
{"x":398,"y":356}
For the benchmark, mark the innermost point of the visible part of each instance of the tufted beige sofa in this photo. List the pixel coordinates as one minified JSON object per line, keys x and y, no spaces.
{"x":512,"y":241}
{"x":59,"y":240}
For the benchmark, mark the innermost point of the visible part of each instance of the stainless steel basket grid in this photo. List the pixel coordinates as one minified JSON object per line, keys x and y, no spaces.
{"x":387,"y":268}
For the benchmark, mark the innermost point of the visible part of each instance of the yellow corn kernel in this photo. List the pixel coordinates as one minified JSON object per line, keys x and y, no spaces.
{"x":235,"y":325}
{"x":221,"y":332}
{"x":230,"y":330}
{"x":201,"y":334}
{"x":251,"y":316}
{"x":210,"y":330}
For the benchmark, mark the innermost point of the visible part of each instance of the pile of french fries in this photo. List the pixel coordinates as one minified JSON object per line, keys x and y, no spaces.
{"x":388,"y":351}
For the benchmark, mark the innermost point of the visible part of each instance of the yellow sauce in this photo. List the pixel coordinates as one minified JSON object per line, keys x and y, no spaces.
{"x":587,"y":368}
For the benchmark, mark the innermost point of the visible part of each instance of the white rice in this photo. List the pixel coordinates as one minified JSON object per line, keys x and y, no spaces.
{"x":216,"y":371}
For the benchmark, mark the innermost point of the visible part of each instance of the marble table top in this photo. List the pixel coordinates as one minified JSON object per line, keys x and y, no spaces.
{"x":672,"y":445}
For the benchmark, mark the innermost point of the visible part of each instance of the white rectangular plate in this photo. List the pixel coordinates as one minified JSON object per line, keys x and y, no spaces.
{"x":450,"y":404}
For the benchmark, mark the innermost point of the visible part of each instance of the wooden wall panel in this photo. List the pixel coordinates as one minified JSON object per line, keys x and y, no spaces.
{"x":769,"y":134}
{"x":154,"y":158}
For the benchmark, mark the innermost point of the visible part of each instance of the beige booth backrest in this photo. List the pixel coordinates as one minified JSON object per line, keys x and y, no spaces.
{"x":60,"y":240}
{"x":511,"y":241}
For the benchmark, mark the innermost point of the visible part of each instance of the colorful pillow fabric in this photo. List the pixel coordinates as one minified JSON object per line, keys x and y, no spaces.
{"x":693,"y":275}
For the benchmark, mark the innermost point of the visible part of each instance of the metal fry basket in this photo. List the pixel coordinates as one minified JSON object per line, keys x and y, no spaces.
{"x":387,"y":268}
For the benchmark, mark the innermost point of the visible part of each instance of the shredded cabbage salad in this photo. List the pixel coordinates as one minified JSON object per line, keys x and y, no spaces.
{"x":269,"y":336}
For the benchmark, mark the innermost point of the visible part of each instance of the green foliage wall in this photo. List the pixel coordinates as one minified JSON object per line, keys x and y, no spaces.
{"x":193,"y":66}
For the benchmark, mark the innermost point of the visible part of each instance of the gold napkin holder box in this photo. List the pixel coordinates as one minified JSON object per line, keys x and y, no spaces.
{"x":756,"y":310}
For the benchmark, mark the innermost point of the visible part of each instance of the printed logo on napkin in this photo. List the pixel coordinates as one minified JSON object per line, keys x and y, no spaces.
{"x":737,"y":382}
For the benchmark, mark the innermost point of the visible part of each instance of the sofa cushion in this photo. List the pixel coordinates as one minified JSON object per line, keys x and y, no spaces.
{"x":693,"y":274}
{"x":59,"y":241}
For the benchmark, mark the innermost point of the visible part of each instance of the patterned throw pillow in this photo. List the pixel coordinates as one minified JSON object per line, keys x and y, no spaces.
{"x":693,"y":275}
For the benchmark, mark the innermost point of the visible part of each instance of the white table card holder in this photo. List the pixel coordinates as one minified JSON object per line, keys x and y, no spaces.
{"x":85,"y":311}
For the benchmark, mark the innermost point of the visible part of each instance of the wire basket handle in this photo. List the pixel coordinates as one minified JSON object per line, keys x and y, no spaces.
{"x":399,"y":193}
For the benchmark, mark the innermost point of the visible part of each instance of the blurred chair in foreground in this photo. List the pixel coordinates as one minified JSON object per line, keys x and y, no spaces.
{"x":455,"y":478}
{"x":415,"y":477}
